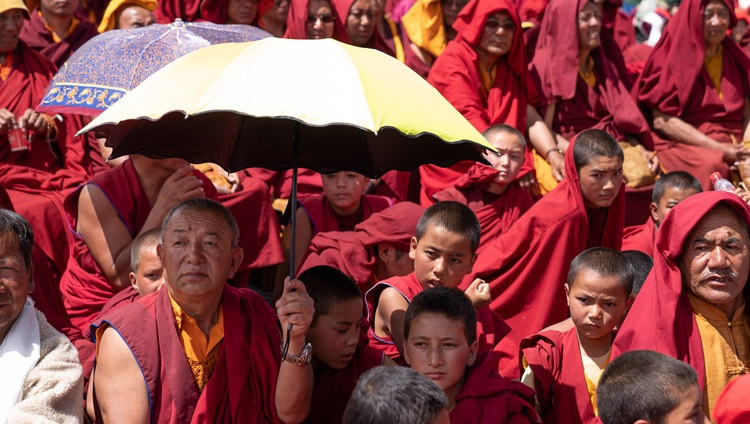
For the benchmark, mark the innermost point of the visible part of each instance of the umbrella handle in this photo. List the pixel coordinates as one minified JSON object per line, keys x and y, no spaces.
{"x":293,"y":223}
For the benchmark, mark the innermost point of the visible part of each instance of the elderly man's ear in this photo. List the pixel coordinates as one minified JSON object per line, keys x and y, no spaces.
{"x":237,"y":255}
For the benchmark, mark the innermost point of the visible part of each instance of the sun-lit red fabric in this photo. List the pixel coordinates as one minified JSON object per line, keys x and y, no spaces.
{"x":39,"y":38}
{"x":353,"y":252}
{"x":323,"y":218}
{"x":488,"y":398}
{"x":455,"y":74}
{"x":731,"y":406}
{"x":526,"y":266}
{"x":169,"y":10}
{"x":675,"y":82}
{"x":640,"y":237}
{"x":216,"y":11}
{"x":555,"y":359}
{"x":663,"y":302}
{"x":296,"y":28}
{"x":497,"y":217}
{"x":341,"y":12}
{"x":608,"y":105}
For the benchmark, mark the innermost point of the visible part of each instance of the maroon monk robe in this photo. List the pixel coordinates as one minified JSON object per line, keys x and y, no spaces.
{"x":124,"y":297}
{"x":488,"y":398}
{"x":241,"y":387}
{"x":216,"y":11}
{"x":333,"y":388}
{"x":280,"y":182}
{"x":526,"y":266}
{"x":354,"y":252}
{"x":85,"y":286}
{"x":169,"y":10}
{"x":663,"y":301}
{"x":495,"y":217}
{"x":674,"y":81}
{"x":455,"y":74}
{"x":555,"y":359}
{"x":39,"y":38}
{"x":490,"y":327}
{"x":607,"y":106}
{"x":323,"y":218}
{"x":390,"y":37}
{"x":640,"y":237}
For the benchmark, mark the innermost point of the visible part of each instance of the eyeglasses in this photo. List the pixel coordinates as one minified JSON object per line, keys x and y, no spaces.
{"x":324,"y":18}
{"x":493,"y":25}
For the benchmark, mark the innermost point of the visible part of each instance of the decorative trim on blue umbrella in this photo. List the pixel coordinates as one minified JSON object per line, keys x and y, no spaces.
{"x":92,"y":97}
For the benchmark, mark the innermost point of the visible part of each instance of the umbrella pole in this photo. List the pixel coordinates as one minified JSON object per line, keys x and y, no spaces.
{"x":293,"y":223}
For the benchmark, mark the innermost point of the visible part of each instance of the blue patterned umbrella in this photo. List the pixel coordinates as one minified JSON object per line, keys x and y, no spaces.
{"x":113,"y":63}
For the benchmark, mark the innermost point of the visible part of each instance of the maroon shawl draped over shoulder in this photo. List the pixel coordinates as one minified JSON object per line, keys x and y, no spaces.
{"x":323,"y":218}
{"x":663,"y":302}
{"x":640,"y":237}
{"x":526,"y":266}
{"x":488,"y":398}
{"x":608,"y":105}
{"x":39,"y":38}
{"x":497,"y":217}
{"x":353,"y":252}
{"x":242,"y":386}
{"x":455,"y":74}
{"x":559,"y":379}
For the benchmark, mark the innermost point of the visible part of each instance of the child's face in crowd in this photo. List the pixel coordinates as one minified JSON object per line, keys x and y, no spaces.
{"x":690,"y":410}
{"x":344,"y":191}
{"x":148,"y":278}
{"x":596,"y":304}
{"x":335,"y":335}
{"x":601,"y":180}
{"x":437,"y":348}
{"x":441,"y":257}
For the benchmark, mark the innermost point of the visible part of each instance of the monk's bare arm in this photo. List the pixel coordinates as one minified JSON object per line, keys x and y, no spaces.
{"x":540,"y":136}
{"x":549,"y":119}
{"x":682,"y":132}
{"x":119,"y":385}
{"x":390,"y":315}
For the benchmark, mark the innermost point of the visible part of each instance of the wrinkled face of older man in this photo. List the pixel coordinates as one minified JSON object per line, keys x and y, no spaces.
{"x":15,"y":282}
{"x":716,"y":259}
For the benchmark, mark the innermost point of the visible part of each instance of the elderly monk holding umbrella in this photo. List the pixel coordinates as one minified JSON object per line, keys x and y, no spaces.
{"x":483,"y":74}
{"x":694,"y":304}
{"x":696,"y":87}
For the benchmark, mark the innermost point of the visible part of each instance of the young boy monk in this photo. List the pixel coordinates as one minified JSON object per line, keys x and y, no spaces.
{"x":525,"y":265}
{"x":340,"y":350}
{"x":493,"y":192}
{"x":564,"y":367}
{"x":443,"y":252}
{"x":440,"y":341}
{"x":340,"y":207}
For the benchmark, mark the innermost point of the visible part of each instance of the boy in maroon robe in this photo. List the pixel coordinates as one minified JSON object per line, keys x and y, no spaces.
{"x":440,"y":341}
{"x":564,"y":367}
{"x":376,"y":250}
{"x":56,"y":32}
{"x":525,"y":265}
{"x":493,"y":192}
{"x":340,"y":350}
{"x":671,"y":189}
{"x":443,"y":252}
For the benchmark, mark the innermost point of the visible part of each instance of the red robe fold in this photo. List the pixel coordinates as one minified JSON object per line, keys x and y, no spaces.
{"x":39,"y":38}
{"x":242,"y":386}
{"x":674,"y":81}
{"x":296,"y":25}
{"x":280,"y":183}
{"x":607,"y":106}
{"x":216,"y":11}
{"x":497,"y":217}
{"x":455,"y":74}
{"x":640,"y":237}
{"x":84,"y":285}
{"x":323,"y":218}
{"x":526,"y":266}
{"x":663,"y":302}
{"x":354,"y":252}
{"x":490,"y":327}
{"x":169,"y":10}
{"x":333,"y":388}
{"x":555,"y":359}
{"x":488,"y":398}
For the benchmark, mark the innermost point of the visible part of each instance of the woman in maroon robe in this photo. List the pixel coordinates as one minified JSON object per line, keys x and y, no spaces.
{"x":579,"y":82}
{"x":696,"y":84}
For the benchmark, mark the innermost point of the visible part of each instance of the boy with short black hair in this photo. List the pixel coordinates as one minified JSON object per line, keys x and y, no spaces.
{"x":564,"y":367}
{"x":340,"y":350}
{"x":646,"y":387}
{"x":440,"y":341}
{"x":444,"y":252}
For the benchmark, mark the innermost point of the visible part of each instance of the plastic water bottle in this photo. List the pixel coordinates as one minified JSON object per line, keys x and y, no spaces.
{"x":720,"y":183}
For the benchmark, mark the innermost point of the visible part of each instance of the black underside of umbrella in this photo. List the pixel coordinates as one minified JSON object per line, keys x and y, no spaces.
{"x":236,"y":141}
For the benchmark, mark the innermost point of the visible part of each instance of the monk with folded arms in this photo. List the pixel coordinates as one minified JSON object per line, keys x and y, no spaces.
{"x":208,"y":352}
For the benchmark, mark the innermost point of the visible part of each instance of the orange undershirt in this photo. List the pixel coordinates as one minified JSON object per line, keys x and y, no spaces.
{"x":715,"y":67}
{"x":6,"y":67}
